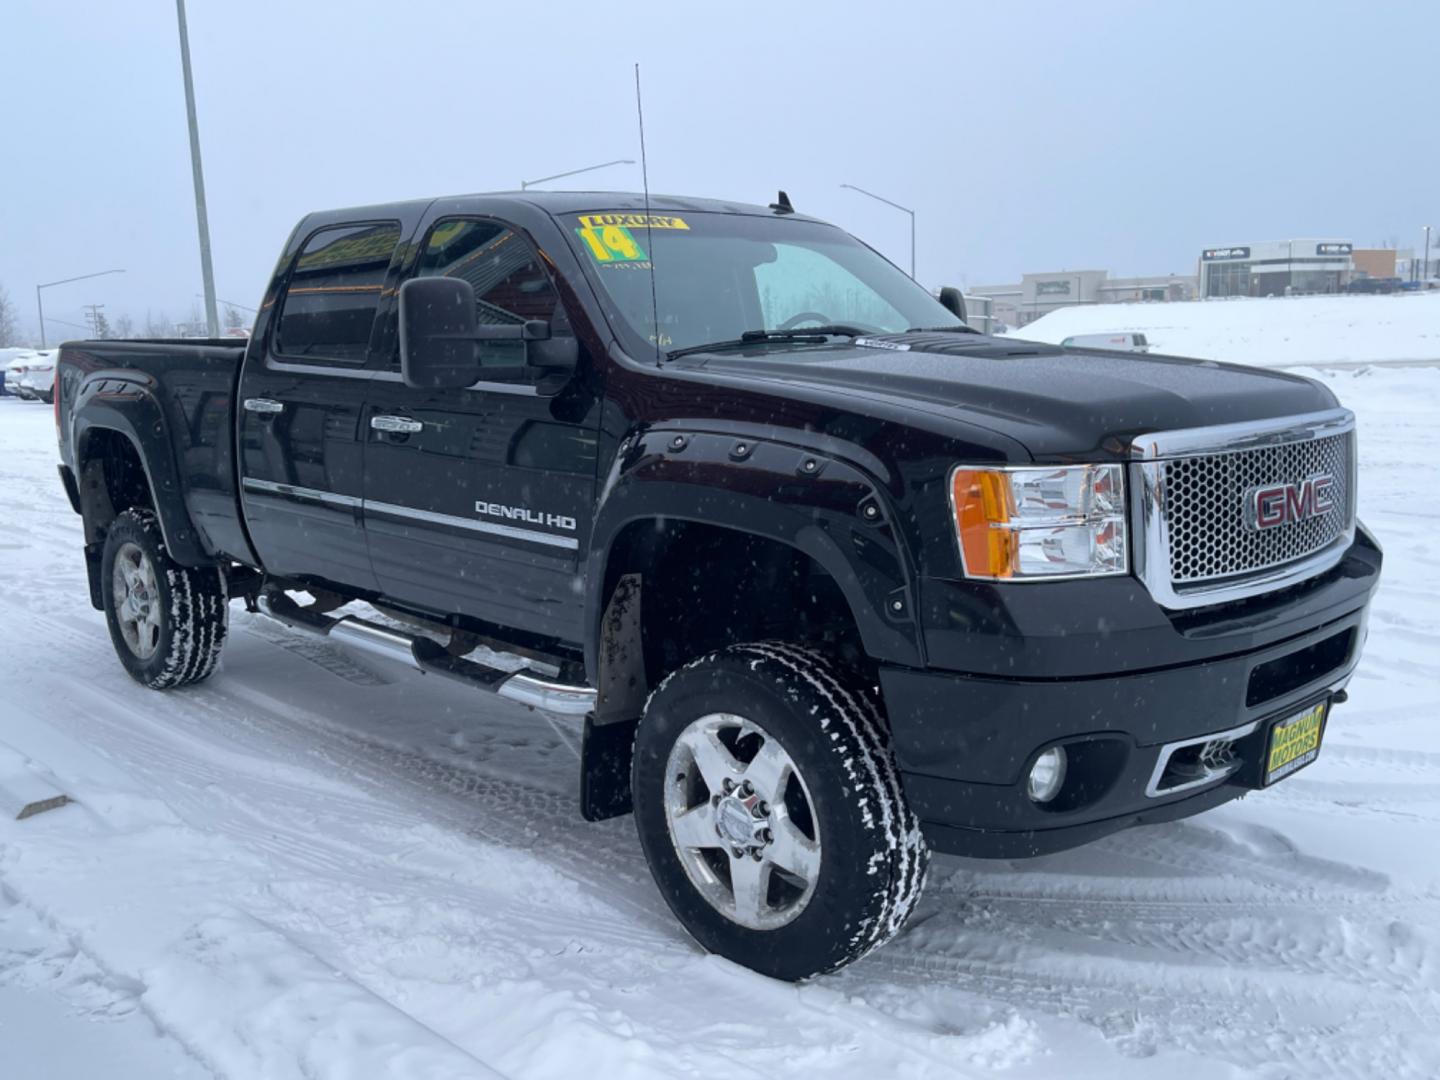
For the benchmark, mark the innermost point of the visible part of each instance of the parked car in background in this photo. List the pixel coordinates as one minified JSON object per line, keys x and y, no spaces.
{"x":1375,"y":285}
{"x":6,"y":356}
{"x":1126,"y":342}
{"x":39,"y":378}
{"x":15,"y":372}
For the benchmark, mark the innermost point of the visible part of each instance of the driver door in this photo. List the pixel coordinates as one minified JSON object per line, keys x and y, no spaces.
{"x":478,"y":500}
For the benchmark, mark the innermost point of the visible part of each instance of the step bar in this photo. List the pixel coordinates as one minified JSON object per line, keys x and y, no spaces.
{"x":423,"y":654}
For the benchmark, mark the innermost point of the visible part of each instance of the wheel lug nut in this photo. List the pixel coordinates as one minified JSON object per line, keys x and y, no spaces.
{"x":768,"y":836}
{"x":714,"y":800}
{"x":764,"y":807}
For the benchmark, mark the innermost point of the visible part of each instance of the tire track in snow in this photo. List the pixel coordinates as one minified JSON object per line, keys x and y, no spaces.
{"x":637,"y":933}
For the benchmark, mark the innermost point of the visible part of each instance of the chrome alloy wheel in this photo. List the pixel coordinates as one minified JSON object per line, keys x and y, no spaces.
{"x":742,"y":821}
{"x":137,"y":600}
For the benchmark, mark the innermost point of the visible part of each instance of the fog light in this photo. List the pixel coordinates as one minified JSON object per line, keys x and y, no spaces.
{"x":1046,"y":775}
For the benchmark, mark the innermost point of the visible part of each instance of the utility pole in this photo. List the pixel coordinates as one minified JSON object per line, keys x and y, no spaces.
{"x":202,"y":220}
{"x":1426,"y":271}
{"x":94,"y":318}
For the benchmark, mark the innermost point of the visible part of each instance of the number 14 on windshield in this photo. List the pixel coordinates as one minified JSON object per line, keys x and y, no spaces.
{"x":611,"y":244}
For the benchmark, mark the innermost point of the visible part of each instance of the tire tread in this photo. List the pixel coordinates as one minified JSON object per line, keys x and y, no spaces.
{"x":199,"y":611}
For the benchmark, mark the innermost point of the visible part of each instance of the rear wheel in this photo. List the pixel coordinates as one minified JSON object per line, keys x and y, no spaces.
{"x":168,"y":622}
{"x":771,"y":813}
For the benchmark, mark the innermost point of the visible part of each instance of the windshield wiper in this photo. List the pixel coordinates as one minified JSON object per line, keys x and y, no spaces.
{"x":955,"y":328}
{"x":753,"y":337}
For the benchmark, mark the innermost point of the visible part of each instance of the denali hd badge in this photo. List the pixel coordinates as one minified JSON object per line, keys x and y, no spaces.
{"x":1286,"y":504}
{"x":525,"y":514}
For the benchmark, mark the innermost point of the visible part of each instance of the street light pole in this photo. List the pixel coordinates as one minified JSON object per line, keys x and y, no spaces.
{"x":202,"y":220}
{"x":897,"y":206}
{"x":40,"y":304}
{"x":576,"y":172}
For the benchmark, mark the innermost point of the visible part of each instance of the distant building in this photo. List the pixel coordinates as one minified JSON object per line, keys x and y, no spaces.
{"x":1040,"y":294}
{"x":1375,"y":262}
{"x":1276,"y":268}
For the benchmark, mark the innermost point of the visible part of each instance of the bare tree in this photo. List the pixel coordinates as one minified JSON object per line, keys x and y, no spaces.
{"x":157,"y":324}
{"x":9,"y":327}
{"x":233,"y":319}
{"x":195,"y":325}
{"x":124,"y":327}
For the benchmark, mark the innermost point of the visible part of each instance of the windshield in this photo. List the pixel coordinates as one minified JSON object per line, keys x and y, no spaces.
{"x":718,"y":276}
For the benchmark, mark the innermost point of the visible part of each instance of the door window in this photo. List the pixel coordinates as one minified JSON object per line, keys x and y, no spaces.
{"x":328,"y":311}
{"x":511,"y":286}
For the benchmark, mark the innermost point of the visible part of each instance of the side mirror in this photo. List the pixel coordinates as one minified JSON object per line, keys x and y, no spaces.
{"x":953,"y":301}
{"x":437,"y":333}
{"x":442,"y":347}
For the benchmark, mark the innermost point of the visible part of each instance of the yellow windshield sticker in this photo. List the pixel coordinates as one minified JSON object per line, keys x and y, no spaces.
{"x":632,"y":221}
{"x":611,"y":244}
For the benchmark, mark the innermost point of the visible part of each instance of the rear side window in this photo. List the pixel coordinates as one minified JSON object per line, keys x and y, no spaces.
{"x":334,"y":290}
{"x":510,"y":284}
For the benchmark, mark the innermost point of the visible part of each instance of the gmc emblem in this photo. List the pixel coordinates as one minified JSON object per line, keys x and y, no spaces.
{"x":1287,"y":504}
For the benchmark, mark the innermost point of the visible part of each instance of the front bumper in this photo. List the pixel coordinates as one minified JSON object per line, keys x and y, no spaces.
{"x":965,"y":741}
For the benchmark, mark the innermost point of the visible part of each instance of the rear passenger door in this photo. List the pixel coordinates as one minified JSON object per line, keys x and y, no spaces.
{"x":476,"y":499}
{"x":301,"y":397}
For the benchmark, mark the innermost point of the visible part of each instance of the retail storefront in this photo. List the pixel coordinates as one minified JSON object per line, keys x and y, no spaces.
{"x":1276,"y":268}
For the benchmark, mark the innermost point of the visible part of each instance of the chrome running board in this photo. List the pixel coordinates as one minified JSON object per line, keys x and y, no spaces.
{"x":423,"y":654}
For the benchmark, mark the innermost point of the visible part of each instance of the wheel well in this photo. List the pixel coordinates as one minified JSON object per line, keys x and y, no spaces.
{"x":703,"y":587}
{"x":112,"y":480}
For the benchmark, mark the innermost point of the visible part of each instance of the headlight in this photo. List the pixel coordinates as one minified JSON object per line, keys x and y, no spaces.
{"x":1032,"y":523}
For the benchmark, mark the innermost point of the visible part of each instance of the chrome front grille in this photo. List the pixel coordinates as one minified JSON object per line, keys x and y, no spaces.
{"x":1199,"y":542}
{"x":1204,"y":502}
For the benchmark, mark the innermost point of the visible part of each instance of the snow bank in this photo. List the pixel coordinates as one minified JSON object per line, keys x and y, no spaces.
{"x":1271,"y":332}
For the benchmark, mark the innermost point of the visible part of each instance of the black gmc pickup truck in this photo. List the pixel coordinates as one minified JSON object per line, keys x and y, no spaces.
{"x":832,"y":579}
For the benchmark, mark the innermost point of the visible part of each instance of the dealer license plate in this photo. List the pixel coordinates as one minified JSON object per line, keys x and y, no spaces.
{"x":1295,"y":742}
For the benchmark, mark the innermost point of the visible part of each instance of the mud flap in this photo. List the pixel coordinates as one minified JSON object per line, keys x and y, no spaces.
{"x":605,"y":756}
{"x":93,"y":552}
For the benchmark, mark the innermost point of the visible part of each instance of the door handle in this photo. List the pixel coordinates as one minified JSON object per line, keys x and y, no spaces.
{"x":263,"y":405}
{"x":396,"y":425}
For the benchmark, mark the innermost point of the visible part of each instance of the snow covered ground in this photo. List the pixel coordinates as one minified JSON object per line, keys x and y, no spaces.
{"x":1270,"y":332}
{"x":316,"y":866}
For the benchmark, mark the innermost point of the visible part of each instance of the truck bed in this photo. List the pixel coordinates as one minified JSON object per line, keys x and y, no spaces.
{"x":174,"y":398}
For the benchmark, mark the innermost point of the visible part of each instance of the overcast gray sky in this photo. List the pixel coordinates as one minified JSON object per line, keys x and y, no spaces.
{"x":1028,"y":136}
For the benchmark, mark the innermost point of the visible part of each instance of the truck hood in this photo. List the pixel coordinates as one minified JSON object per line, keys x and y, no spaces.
{"x":1055,"y":402}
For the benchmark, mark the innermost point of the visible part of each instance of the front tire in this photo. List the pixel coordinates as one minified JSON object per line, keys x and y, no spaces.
{"x":770,"y":810}
{"x":167,"y":622}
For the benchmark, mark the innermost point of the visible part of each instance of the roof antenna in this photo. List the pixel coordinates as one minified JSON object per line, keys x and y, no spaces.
{"x":782,"y":204}
{"x":649,"y":237}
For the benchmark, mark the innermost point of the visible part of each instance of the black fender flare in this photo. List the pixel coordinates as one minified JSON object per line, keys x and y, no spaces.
{"x":818,"y":502}
{"x":124,"y":402}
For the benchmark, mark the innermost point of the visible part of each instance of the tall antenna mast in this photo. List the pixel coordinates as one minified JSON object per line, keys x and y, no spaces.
{"x":649,"y":234}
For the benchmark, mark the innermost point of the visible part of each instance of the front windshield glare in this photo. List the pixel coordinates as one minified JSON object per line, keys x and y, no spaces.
{"x":718,"y":276}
